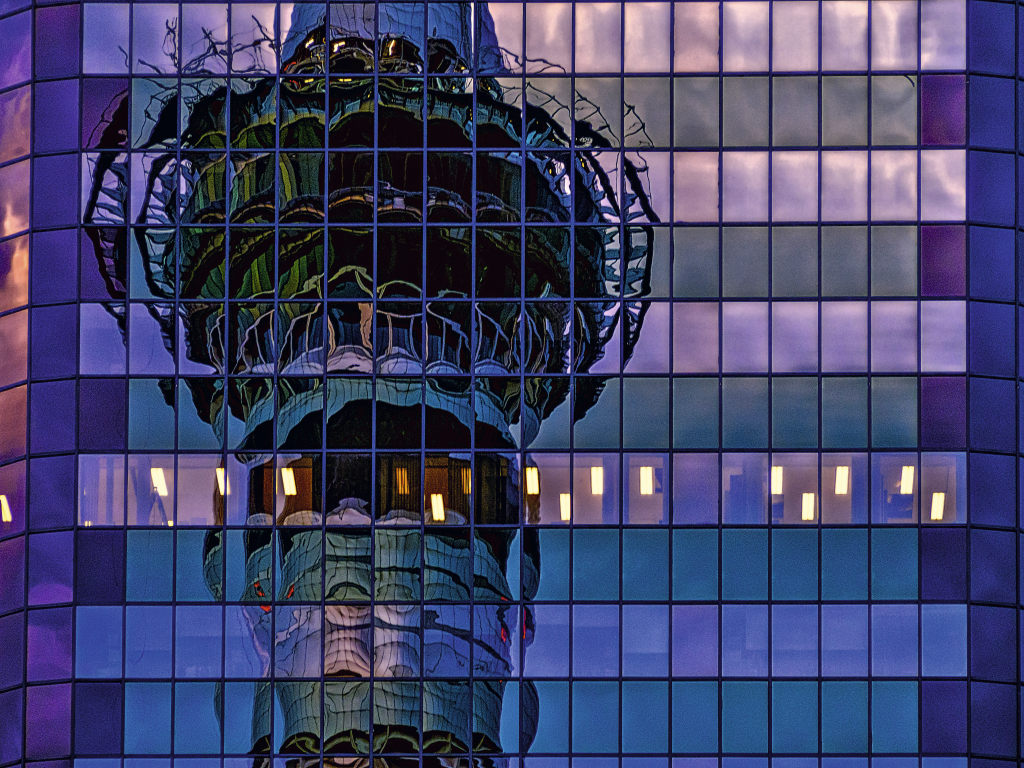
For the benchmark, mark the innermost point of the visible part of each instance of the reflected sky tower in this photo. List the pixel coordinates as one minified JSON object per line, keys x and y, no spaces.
{"x":393,"y":285}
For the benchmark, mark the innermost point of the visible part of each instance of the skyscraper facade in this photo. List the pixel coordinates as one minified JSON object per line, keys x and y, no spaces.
{"x":510,"y":383}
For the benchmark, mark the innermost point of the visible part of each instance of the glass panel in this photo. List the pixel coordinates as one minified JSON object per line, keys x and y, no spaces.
{"x":895,"y":487}
{"x":944,"y":34}
{"x":696,"y":37}
{"x":893,"y":34}
{"x":794,"y":35}
{"x":943,"y":185}
{"x":547,"y":487}
{"x":844,"y":110}
{"x":793,"y":485}
{"x":745,"y":486}
{"x":844,"y":35}
{"x":943,"y":336}
{"x":645,"y":488}
{"x":943,"y":487}
{"x":101,"y":487}
{"x":844,"y":488}
{"x":745,"y":36}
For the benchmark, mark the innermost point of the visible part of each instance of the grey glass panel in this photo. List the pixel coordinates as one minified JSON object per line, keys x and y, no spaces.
{"x":893,"y":109}
{"x":745,"y":261}
{"x":745,"y":111}
{"x":844,"y":261}
{"x":894,"y":261}
{"x":795,"y":111}
{"x":794,"y":261}
{"x":696,"y":112}
{"x":646,"y":121}
{"x":599,"y":102}
{"x":695,"y":262}
{"x":844,"y":111}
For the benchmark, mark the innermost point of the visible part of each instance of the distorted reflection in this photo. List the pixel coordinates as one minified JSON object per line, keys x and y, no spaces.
{"x":380,"y":590}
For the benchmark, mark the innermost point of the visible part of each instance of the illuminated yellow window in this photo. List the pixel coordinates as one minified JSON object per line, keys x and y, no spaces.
{"x":842,"y":481}
{"x":907,"y":480}
{"x":532,"y":481}
{"x":807,"y":507}
{"x":565,"y":506}
{"x":288,"y":481}
{"x":159,"y":481}
{"x":646,"y":481}
{"x":437,"y":507}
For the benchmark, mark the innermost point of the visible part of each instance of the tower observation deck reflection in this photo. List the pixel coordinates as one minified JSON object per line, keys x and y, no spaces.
{"x":379,"y":598}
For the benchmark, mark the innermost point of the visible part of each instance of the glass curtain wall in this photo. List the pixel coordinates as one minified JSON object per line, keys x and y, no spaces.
{"x":508,"y":383}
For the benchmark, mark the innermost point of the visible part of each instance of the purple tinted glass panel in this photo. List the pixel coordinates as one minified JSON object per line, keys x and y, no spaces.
{"x":54,"y":195}
{"x":16,"y":43}
{"x":795,"y":640}
{"x":993,"y":566}
{"x":53,"y":416}
{"x":695,"y":640}
{"x":989,"y":175}
{"x":101,"y":414}
{"x":57,"y":41}
{"x":745,"y":640}
{"x":944,"y":716}
{"x":12,"y":574}
{"x":6,"y":6}
{"x":100,"y":577}
{"x":994,"y":719}
{"x":894,"y":640}
{"x":943,"y":564}
{"x":696,"y":488}
{"x":993,"y":489}
{"x":993,"y":631}
{"x":51,"y":568}
{"x":48,"y":721}
{"x":52,"y":492}
{"x":56,"y":116}
{"x":943,"y":109}
{"x":54,"y":266}
{"x":96,"y":733}
{"x":943,"y":260}
{"x":943,"y":412}
{"x":12,"y":640}
{"x":10,"y":726}
{"x":15,"y":123}
{"x":49,"y":644}
{"x":104,"y":112}
{"x":54,"y":343}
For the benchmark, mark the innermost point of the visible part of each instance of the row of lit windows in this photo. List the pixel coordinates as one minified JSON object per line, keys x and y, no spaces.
{"x":582,"y":488}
